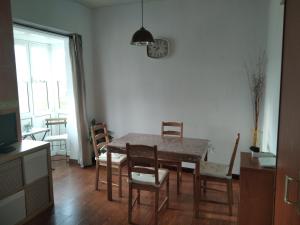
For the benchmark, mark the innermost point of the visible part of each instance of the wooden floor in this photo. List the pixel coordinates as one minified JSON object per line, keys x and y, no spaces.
{"x":76,"y":202}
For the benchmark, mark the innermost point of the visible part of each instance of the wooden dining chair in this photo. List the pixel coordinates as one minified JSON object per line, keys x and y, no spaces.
{"x":100,"y":139}
{"x":148,"y":178}
{"x":175,"y":131}
{"x":216,"y":172}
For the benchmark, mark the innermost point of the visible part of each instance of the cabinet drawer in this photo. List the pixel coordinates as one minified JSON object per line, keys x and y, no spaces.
{"x":35,"y":166}
{"x":37,"y":196}
{"x":12,"y":209}
{"x":10,"y":177}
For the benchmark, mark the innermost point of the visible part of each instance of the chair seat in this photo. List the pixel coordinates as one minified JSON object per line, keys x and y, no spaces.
{"x":214,"y":170}
{"x":115,"y":158}
{"x":149,"y":179}
{"x":62,"y":137}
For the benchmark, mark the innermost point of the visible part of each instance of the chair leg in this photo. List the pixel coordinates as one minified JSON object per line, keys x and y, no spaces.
{"x":180,"y":171}
{"x":97,"y":175}
{"x":138,"y":196}
{"x":231,"y":188}
{"x":194,"y":186}
{"x":168,"y":191}
{"x":120,"y":182}
{"x":204,"y":185}
{"x":197,"y":191}
{"x":66,"y":153}
{"x":130,"y":204}
{"x":156,"y":207}
{"x":229,"y":194}
{"x":178,"y":180}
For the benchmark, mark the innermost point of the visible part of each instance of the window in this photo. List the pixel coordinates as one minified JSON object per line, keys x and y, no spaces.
{"x":45,"y":85}
{"x":41,"y":73}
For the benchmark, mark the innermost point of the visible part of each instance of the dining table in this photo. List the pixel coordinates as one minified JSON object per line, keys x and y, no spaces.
{"x":35,"y":130}
{"x":184,"y":149}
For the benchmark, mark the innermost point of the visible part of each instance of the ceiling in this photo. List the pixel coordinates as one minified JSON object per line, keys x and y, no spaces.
{"x":101,"y":3}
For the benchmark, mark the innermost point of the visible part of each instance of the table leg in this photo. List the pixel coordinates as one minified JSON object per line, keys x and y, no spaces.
{"x":109,"y":175}
{"x":44,"y":136}
{"x":32,"y":137}
{"x":197,"y":190}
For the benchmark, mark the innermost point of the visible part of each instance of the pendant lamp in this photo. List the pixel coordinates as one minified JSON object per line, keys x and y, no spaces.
{"x":142,"y":37}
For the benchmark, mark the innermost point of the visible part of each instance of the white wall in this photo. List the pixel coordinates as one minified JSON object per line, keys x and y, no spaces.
{"x":69,"y":17}
{"x":201,"y":83}
{"x":273,"y":73}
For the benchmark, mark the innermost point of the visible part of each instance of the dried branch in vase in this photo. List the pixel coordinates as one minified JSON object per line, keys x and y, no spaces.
{"x":256,"y":78}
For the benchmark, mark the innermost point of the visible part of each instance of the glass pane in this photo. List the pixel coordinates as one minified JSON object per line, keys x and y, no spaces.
{"x":40,"y":62}
{"x":59,"y":63}
{"x":62,"y":95}
{"x":40,"y":97}
{"x":23,"y":97}
{"x":22,"y":62}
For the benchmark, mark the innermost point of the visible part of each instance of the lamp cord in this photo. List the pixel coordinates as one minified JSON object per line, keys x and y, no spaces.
{"x":142,"y":13}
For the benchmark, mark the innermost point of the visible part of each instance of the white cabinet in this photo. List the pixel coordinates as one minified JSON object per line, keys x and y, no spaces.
{"x":25,"y":182}
{"x":12,"y":209}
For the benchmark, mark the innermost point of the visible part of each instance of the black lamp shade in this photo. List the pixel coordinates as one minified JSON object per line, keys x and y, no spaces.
{"x":142,"y":37}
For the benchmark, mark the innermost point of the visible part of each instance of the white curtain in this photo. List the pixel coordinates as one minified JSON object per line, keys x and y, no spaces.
{"x":84,"y":154}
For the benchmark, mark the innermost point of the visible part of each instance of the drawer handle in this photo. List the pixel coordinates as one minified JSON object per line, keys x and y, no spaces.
{"x":286,"y":190}
{"x":296,"y":204}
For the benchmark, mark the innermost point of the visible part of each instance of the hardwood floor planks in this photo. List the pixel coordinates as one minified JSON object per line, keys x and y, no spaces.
{"x":76,"y":202}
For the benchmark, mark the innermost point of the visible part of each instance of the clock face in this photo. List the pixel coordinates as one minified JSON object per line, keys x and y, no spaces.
{"x":159,"y":49}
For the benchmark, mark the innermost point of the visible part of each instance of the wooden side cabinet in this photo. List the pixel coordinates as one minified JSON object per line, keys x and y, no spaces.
{"x":26,"y":182}
{"x":257,"y":189}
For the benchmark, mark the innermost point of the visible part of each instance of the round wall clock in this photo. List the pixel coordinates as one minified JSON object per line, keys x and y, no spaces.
{"x":159,"y":49}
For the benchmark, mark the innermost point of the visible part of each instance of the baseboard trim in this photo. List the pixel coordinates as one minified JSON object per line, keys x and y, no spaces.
{"x":73,"y":161}
{"x":63,"y":157}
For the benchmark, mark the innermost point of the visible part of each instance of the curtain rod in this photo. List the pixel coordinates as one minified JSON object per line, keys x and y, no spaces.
{"x":41,"y":28}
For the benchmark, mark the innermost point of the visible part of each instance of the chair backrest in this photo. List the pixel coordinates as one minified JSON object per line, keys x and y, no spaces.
{"x":178,"y":125}
{"x":233,"y":155}
{"x":100,"y":137}
{"x":140,"y":155}
{"x":56,"y":121}
{"x":55,"y":125}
